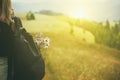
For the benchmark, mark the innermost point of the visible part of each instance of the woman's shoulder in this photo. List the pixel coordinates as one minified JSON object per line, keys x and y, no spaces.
{"x":4,"y":27}
{"x":3,"y":24}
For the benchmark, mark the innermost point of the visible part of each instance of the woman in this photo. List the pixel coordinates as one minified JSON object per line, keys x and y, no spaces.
{"x":6,"y":34}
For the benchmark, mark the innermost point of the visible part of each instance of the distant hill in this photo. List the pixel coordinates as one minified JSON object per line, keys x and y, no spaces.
{"x":49,"y":12}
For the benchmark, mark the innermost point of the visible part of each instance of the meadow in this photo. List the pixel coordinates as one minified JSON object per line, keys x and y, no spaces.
{"x":74,"y":56}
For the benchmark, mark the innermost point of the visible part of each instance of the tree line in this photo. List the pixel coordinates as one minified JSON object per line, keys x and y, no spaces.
{"x":104,"y":32}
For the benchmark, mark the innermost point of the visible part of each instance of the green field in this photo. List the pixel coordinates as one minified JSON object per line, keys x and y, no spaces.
{"x":76,"y":56}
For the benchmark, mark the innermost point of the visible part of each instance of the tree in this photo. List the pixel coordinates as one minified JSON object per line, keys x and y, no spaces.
{"x":30,"y":16}
{"x":116,"y":29}
{"x":107,"y":24}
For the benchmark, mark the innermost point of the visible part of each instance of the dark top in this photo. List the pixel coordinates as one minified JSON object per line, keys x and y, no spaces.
{"x":6,"y":46}
{"x":6,"y":41}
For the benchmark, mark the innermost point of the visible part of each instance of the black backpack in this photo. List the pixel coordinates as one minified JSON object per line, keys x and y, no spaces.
{"x":27,"y":59}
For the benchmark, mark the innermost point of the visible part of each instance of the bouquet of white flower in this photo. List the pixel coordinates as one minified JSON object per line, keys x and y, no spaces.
{"x":43,"y":42}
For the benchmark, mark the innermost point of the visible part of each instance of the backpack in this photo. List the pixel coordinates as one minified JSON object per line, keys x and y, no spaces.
{"x":28,"y":62}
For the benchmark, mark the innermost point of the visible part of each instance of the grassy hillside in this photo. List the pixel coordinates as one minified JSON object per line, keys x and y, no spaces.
{"x":44,"y":23}
{"x":70,"y":59}
{"x":74,"y":57}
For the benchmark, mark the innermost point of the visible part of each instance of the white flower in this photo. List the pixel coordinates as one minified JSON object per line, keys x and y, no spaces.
{"x":39,"y":35}
{"x":45,"y":47}
{"x":42,"y":42}
{"x":46,"y":40}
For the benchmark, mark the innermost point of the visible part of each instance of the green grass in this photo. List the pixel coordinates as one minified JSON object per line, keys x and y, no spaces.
{"x":74,"y":57}
{"x":45,"y":23}
{"x":70,"y":59}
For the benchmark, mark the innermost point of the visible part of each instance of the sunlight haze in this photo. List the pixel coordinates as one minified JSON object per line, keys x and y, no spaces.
{"x":98,"y":10}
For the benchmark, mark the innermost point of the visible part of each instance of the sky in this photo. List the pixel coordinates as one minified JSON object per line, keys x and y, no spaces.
{"x":97,"y":10}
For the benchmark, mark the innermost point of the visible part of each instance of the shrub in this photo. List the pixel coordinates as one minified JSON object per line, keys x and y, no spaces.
{"x":30,"y":16}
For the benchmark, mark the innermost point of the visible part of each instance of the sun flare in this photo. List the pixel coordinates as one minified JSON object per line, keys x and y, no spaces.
{"x":79,"y":13}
